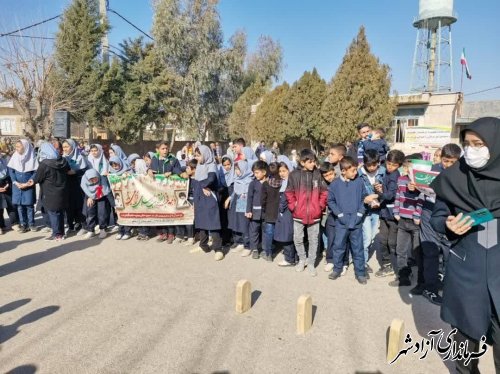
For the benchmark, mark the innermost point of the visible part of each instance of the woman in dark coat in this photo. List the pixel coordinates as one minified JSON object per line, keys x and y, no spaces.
{"x":78,"y":165}
{"x":52,"y":177}
{"x":471,"y":294}
{"x":22,"y":166}
{"x":206,"y":205}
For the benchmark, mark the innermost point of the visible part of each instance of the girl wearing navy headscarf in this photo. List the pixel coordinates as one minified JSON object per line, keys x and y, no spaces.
{"x":52,"y":177}
{"x":206,"y":205}
{"x":78,"y":165}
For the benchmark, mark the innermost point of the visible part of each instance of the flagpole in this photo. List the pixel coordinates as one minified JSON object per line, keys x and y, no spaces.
{"x":462,"y":79}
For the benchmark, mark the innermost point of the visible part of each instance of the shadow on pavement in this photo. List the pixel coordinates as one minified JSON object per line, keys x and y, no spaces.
{"x":8,"y":246}
{"x":23,"y":369}
{"x":424,"y":322}
{"x":255,"y":296}
{"x":9,"y":331}
{"x":38,"y":258}
{"x":13,"y":305}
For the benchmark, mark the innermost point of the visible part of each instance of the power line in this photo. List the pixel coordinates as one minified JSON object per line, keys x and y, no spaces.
{"x":30,"y":26}
{"x":131,"y":24}
{"x":32,"y":37}
{"x":118,"y":55}
{"x":488,"y":89}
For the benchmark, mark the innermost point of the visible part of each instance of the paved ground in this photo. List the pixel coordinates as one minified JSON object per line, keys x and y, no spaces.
{"x":91,"y":306}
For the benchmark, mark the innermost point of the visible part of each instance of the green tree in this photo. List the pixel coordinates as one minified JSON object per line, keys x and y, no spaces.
{"x":150,"y":94}
{"x":266,"y":63}
{"x":190,"y":43}
{"x":358,"y":93}
{"x":78,"y":69}
{"x":303,"y":105}
{"x":239,"y":119}
{"x":270,"y":122}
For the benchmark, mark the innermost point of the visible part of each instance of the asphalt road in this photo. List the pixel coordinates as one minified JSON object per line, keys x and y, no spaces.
{"x":92,"y":306}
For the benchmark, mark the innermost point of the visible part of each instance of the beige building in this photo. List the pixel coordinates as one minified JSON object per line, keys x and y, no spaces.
{"x":10,"y":120}
{"x":430,"y":120}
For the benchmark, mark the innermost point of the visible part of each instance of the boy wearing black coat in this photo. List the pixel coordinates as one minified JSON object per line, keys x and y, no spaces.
{"x":254,"y":208}
{"x":388,"y":226}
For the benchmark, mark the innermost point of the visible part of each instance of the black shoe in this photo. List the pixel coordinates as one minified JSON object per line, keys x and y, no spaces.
{"x":368,"y":269}
{"x":33,"y":228}
{"x":432,"y":297}
{"x":417,"y":290}
{"x":333,"y":275}
{"x":411,"y":262}
{"x":404,"y":282}
{"x":361,"y":280}
{"x":50,"y":238}
{"x":23,"y":230}
{"x":255,"y":255}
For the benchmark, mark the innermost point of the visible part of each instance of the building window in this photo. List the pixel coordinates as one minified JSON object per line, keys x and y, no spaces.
{"x":7,"y":126}
{"x":400,"y":125}
{"x":412,"y":122}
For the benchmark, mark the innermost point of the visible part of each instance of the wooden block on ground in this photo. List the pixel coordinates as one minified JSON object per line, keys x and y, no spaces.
{"x":243,"y":296}
{"x":304,"y":314}
{"x":395,"y":341}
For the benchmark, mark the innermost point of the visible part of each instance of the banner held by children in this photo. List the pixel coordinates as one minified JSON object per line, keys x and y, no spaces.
{"x":141,"y":200}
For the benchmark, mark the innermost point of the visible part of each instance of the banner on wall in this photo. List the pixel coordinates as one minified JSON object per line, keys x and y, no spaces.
{"x":141,"y":200}
{"x":427,"y":136}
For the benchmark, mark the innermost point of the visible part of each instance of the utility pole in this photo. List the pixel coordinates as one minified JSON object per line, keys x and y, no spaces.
{"x":103,"y":12}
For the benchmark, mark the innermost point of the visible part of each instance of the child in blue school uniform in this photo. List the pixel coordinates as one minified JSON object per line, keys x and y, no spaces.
{"x":239,"y":223}
{"x":254,"y":208}
{"x":96,"y":205}
{"x":270,"y":202}
{"x":119,"y":167}
{"x":206,"y":205}
{"x":346,"y":202}
{"x":283,"y":229}
{"x":371,"y":173}
{"x":226,"y":182}
{"x":22,"y":167}
{"x":327,"y":231}
{"x":185,"y":233}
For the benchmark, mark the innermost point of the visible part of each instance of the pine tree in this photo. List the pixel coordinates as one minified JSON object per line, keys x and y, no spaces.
{"x":77,"y":46}
{"x":359,"y":93}
{"x":270,"y":122}
{"x":303,"y":105}
{"x":239,"y":119}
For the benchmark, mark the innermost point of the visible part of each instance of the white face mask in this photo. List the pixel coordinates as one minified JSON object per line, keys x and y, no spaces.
{"x":476,"y":157}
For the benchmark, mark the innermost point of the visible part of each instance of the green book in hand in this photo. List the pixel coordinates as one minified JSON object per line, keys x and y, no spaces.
{"x":480,"y":216}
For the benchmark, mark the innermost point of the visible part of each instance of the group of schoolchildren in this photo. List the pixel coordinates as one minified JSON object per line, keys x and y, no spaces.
{"x":345,"y":207}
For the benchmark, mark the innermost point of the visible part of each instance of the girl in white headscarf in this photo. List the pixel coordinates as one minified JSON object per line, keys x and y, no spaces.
{"x":22,"y":167}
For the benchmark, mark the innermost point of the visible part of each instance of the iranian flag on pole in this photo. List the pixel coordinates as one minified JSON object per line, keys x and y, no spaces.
{"x":464,"y":63}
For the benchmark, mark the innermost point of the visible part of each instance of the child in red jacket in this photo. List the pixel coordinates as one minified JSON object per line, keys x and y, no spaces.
{"x":306,"y":194}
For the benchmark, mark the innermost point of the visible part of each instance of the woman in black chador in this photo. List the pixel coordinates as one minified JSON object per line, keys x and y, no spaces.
{"x":471,"y":294}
